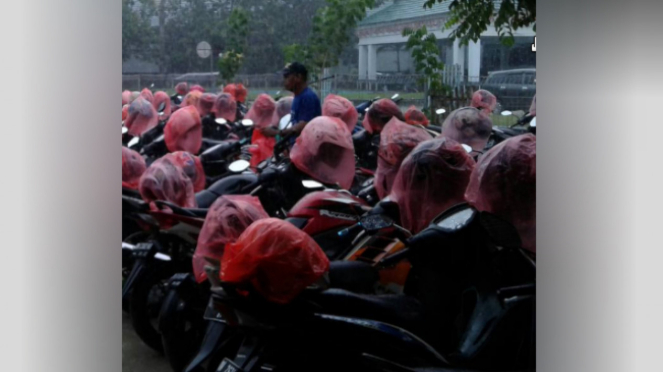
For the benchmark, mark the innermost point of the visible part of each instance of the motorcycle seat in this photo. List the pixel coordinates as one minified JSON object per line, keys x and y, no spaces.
{"x":205,"y":198}
{"x":355,"y":276}
{"x":402,"y":311}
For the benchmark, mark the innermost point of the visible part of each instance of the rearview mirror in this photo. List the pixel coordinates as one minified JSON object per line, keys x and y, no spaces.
{"x":161,"y":108}
{"x":152,"y":86}
{"x":238,"y":166}
{"x":124,"y":130}
{"x":310,"y":184}
{"x":221,"y":121}
{"x":283,"y":123}
{"x":440,"y":111}
{"x":506,"y":113}
{"x":247,"y":122}
{"x":395,"y":96}
{"x":134,"y":141}
{"x":468,"y":148}
{"x":533,"y":123}
{"x":179,"y":97}
{"x":376,"y":222}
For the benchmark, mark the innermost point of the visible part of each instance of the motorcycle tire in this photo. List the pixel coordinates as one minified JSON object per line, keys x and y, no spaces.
{"x":146,"y":304}
{"x":127,"y":263}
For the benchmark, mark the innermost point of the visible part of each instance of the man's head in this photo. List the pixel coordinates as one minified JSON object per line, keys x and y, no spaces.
{"x":295,"y":76}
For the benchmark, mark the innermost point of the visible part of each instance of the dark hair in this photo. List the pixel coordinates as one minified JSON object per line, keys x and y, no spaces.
{"x":297,"y":69}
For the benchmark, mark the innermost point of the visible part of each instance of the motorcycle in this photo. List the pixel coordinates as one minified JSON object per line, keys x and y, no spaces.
{"x":526,"y":124}
{"x":482,"y":281}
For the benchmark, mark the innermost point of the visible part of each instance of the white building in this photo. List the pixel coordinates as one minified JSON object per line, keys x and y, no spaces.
{"x":382,"y":46}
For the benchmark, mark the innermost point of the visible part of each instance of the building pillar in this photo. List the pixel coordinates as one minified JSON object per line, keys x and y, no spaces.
{"x":372,"y":62}
{"x":474,"y":61}
{"x":363,"y":63}
{"x":459,"y":58}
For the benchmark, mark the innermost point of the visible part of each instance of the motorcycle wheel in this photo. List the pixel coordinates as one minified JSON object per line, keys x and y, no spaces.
{"x":146,"y":300}
{"x":127,"y":263}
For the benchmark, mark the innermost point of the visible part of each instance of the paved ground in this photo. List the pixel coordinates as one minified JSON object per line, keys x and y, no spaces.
{"x":136,"y":356}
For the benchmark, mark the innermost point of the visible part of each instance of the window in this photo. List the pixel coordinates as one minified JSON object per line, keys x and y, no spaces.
{"x":515,"y":78}
{"x":530,"y":78}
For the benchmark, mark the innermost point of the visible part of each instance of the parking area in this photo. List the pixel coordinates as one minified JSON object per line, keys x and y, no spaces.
{"x":136,"y":356}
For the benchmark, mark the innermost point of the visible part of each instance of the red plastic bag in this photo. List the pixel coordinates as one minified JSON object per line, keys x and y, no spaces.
{"x":191,"y":99}
{"x":262,"y":111}
{"x":206,"y":103}
{"x":142,"y":117}
{"x":226,"y":220}
{"x":147,"y":94}
{"x":163,"y":180}
{"x":182,"y":88}
{"x":468,"y":126}
{"x":262,"y":148}
{"x":484,"y":101}
{"x":342,"y":108}
{"x":532,"y":108}
{"x":159,"y":98}
{"x":225,"y":107}
{"x":431,"y":179}
{"x":379,"y":114}
{"x":276,"y":258}
{"x":134,"y":95}
{"x":413,"y":116}
{"x":324,"y":150}
{"x":184,"y":131}
{"x":126,"y":97}
{"x":192,"y":167}
{"x":504,"y":183}
{"x":396,"y":141}
{"x":238,"y":91}
{"x":133,"y":167}
{"x":283,"y":108}
{"x":197,"y":88}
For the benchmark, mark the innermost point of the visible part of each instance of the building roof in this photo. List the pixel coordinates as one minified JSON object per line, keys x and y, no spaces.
{"x":400,"y":10}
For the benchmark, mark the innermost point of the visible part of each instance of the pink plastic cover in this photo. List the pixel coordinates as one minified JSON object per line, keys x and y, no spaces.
{"x":142,"y":117}
{"x":431,"y":179}
{"x":468,"y":126}
{"x":504,"y":183}
{"x":163,"y":180}
{"x":225,"y":107}
{"x":226,"y":220}
{"x":192,"y":167}
{"x":324,"y":150}
{"x":126,"y":97}
{"x":147,"y":94}
{"x":159,"y":98}
{"x":283,"y":108}
{"x":262,"y":111}
{"x":206,"y":103}
{"x":133,"y":167}
{"x":414,"y":116}
{"x":182,"y":88}
{"x":184,"y":131}
{"x":342,"y":108}
{"x":191,"y":99}
{"x":484,"y":101}
{"x":276,"y":258}
{"x":380,"y":113}
{"x":396,"y":141}
{"x":198,"y":88}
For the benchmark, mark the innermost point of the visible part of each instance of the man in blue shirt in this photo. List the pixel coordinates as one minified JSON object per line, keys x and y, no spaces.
{"x":306,"y":104}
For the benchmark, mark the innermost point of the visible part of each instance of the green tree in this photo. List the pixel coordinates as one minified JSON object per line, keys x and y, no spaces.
{"x":236,"y":33}
{"x":472,"y":17}
{"x":137,"y":35}
{"x":426,"y":56}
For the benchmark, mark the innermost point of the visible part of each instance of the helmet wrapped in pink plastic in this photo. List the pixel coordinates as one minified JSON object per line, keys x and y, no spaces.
{"x":504,"y":183}
{"x":184,"y":131}
{"x":147,"y":94}
{"x":226,"y":220}
{"x":431,"y":179}
{"x":162,"y":98}
{"x":468,"y":126}
{"x":324,"y":150}
{"x":206,"y":103}
{"x":262,"y":111}
{"x":191,"y":99}
{"x":182,"y":88}
{"x":141,"y":117}
{"x":342,"y":108}
{"x":484,"y":101}
{"x":277,"y":259}
{"x":198,"y":88}
{"x":414,"y":116}
{"x":133,"y":167}
{"x":164,"y":180}
{"x":380,"y":113}
{"x":192,"y":167}
{"x":225,"y":107}
{"x":396,"y":141}
{"x":283,"y":108}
